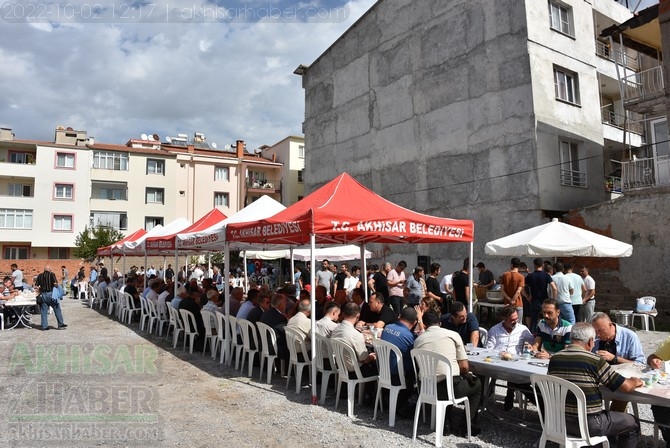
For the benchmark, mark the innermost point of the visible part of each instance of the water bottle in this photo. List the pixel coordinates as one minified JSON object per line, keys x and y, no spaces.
{"x":527,"y":354}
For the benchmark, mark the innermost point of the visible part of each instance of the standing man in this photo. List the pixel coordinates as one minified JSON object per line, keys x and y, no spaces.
{"x":486,"y":279}
{"x":578,"y":288}
{"x":512,"y":286}
{"x":17,"y":277}
{"x":564,"y":289}
{"x":589,"y":371}
{"x":461,"y":283}
{"x":395,"y":279}
{"x":65,"y":278}
{"x":433,"y":285}
{"x":378,"y":282}
{"x":46,"y":282}
{"x":93,"y":277}
{"x":415,"y":287}
{"x":589,"y":299}
{"x":169,"y":272}
{"x":538,"y":283}
{"x":324,"y":277}
{"x":449,"y":344}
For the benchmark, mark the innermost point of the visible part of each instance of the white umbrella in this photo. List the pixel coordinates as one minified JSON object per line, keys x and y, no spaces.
{"x":557,"y":239}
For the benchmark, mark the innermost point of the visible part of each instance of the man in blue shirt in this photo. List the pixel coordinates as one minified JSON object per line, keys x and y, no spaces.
{"x":400,"y":334}
{"x":462,"y":322}
{"x":614,"y":343}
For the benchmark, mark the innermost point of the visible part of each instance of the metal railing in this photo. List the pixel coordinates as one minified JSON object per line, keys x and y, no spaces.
{"x":617,"y":56}
{"x":643,"y":85}
{"x":635,"y":121}
{"x":643,"y":173}
{"x":264,"y":184}
{"x":572,"y":178}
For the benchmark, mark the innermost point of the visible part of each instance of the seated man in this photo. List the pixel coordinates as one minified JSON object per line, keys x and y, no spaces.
{"x":589,"y":371}
{"x":275,"y":318}
{"x":346,"y":332}
{"x":462,"y":322}
{"x":510,"y":336}
{"x":376,"y":313}
{"x":249,"y":304}
{"x":192,"y":303}
{"x":401,"y":335}
{"x":614,"y":343}
{"x":301,"y":322}
{"x":661,"y":413}
{"x":328,"y":322}
{"x":448,"y":343}
{"x":552,"y":333}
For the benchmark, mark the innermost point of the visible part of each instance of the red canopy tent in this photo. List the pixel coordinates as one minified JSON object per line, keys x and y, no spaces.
{"x":345,"y":212}
{"x":168,"y":242}
{"x":110,"y":250}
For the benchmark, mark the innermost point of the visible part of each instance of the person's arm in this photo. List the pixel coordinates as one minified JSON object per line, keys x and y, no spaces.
{"x":554,"y":290}
{"x":463,"y":367}
{"x":588,"y":294}
{"x":631,"y":384}
{"x":474,"y":338}
{"x":654,"y":361}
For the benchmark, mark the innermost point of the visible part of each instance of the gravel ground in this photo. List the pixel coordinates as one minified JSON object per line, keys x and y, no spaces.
{"x":102,"y":383}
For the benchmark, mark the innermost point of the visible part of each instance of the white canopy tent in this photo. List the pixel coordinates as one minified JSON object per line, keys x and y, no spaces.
{"x":558,"y":239}
{"x":334,"y":253}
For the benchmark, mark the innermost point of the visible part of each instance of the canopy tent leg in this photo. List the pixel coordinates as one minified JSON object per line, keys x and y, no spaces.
{"x":312,"y":244}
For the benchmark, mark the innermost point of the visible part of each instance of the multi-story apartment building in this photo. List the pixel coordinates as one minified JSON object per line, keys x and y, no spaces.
{"x":491,"y":111}
{"x":290,"y":152}
{"x":52,"y":190}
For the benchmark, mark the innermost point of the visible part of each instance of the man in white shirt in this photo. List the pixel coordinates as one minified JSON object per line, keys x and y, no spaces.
{"x":301,"y":321}
{"x":325,"y":277}
{"x":17,"y":277}
{"x":564,"y":290}
{"x":589,"y":298}
{"x":395,"y":280}
{"x":328,"y":322}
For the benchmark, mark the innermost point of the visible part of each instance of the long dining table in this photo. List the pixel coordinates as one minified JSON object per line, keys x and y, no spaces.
{"x":488,"y":364}
{"x":21,"y":304}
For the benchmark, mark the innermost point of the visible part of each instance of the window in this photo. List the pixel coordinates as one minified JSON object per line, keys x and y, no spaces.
{"x":58,"y":253}
{"x":63,"y":191}
{"x":560,"y":18}
{"x":15,"y":253}
{"x":18,"y":190}
{"x":300,"y":177}
{"x":64,"y":160}
{"x":573,"y":172}
{"x":566,"y":85}
{"x":21,"y":157}
{"x":156,"y":166}
{"x":220,"y":199}
{"x":114,"y":220}
{"x":301,"y":151}
{"x":221,"y":173}
{"x":62,"y":223}
{"x":108,"y":160}
{"x":16,"y":219}
{"x":152,"y":221}
{"x":154,"y":196}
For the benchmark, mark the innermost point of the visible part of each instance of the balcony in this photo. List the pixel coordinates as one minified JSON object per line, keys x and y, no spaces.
{"x":634,"y":124}
{"x":263,"y":185}
{"x":639,"y":174}
{"x":618,"y":57}
{"x":644,"y":86}
{"x":572,"y":178}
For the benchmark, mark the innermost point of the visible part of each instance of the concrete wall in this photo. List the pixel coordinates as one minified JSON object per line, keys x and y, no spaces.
{"x":430,"y":105}
{"x":638,"y":218}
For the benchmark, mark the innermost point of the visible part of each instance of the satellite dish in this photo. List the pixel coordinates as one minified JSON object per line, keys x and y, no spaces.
{"x":168,"y":139}
{"x":227,"y":147}
{"x":144,"y":137}
{"x":156,"y":137}
{"x":213,"y":145}
{"x":69,"y":129}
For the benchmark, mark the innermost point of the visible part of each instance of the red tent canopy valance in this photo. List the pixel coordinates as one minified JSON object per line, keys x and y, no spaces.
{"x":110,"y":250}
{"x":345,"y":212}
{"x":167,"y":242}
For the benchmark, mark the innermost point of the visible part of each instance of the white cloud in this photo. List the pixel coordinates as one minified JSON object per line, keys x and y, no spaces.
{"x":117,"y":80}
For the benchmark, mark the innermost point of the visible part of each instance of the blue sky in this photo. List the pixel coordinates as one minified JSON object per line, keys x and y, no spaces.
{"x":127,"y":67}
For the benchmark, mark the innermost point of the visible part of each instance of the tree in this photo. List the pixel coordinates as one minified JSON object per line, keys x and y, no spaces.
{"x":89,"y":240}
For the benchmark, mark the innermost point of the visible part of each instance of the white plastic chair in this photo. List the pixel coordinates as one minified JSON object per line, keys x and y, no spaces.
{"x":103,"y":297}
{"x":483,"y":336}
{"x":190,"y":328}
{"x":82,"y":291}
{"x":425,"y":367}
{"x":220,"y":343}
{"x":175,"y":324}
{"x":250,"y":346}
{"x":384,"y":352}
{"x":209,"y":319}
{"x":113,"y":303}
{"x":155,"y":318}
{"x":235,"y":347}
{"x":145,"y":315}
{"x":647,"y":316}
{"x":342,"y":351}
{"x":554,"y":391}
{"x":295,"y":339}
{"x":130,"y":308}
{"x":324,"y":351}
{"x":92,"y":295}
{"x":268,"y":348}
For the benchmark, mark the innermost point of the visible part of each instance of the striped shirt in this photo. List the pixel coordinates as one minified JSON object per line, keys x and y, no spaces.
{"x":587,"y":371}
{"x":554,"y":339}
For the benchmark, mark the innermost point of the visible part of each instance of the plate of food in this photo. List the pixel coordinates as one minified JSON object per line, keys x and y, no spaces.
{"x":507,"y":356}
